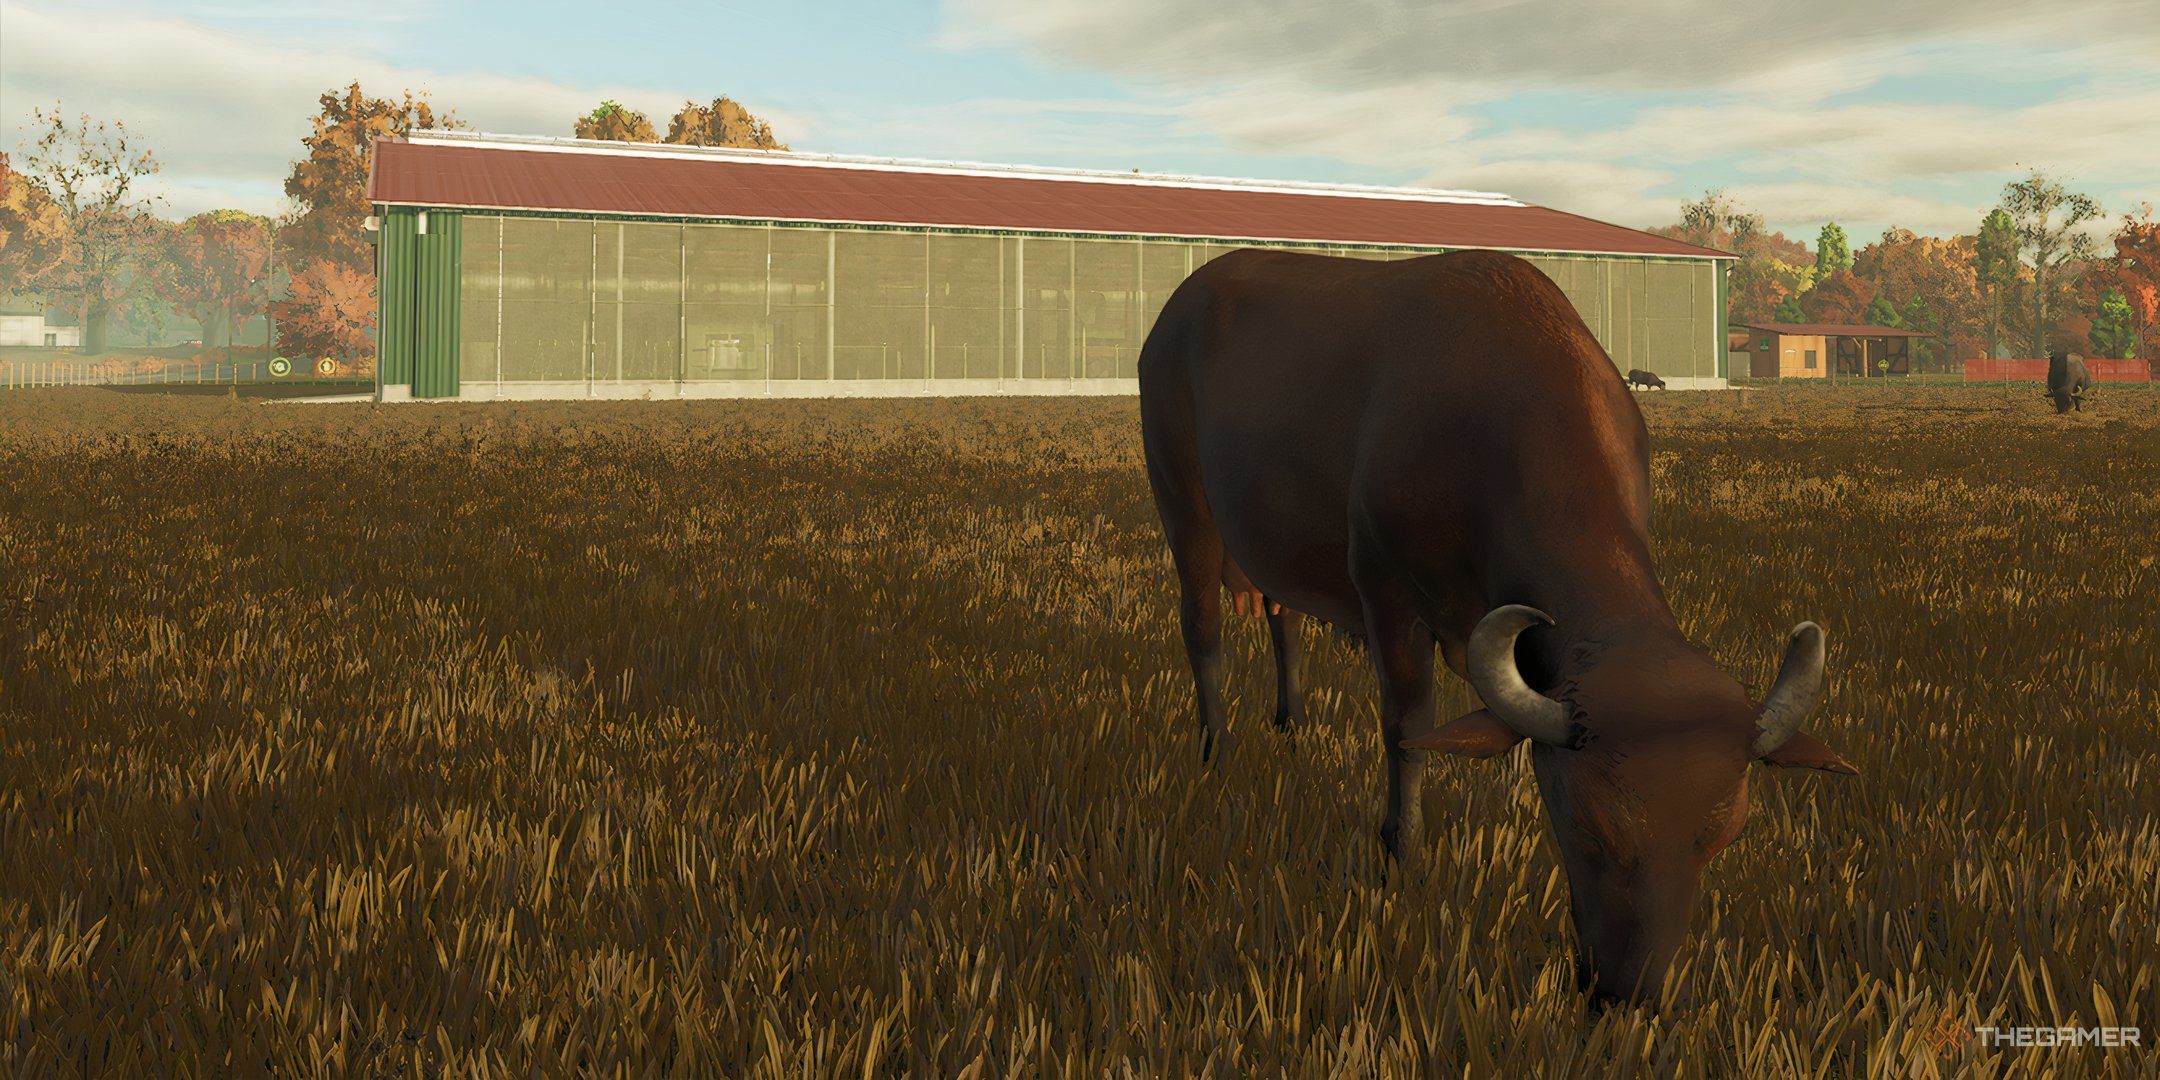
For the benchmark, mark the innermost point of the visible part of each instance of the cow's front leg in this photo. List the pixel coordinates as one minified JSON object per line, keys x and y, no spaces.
{"x":1282,"y":624}
{"x":1402,"y":651}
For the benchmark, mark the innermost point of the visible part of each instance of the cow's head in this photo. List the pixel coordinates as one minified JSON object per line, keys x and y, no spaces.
{"x":1643,"y":771}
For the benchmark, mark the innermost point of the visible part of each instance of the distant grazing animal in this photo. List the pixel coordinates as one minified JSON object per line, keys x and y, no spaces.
{"x":2068,"y":381}
{"x":1435,"y":450}
{"x":1645,"y":379}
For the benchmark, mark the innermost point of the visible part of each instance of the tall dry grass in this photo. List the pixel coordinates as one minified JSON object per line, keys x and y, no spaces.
{"x":853,"y":738}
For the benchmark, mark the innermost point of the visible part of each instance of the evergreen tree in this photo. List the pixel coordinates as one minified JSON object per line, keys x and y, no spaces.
{"x":1918,"y":316}
{"x":1832,"y":253}
{"x":1881,"y":312}
{"x":1995,"y":264}
{"x":1789,"y":310}
{"x":2113,"y":334}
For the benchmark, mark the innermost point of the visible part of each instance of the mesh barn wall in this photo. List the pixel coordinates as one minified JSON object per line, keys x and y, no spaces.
{"x":577,"y":306}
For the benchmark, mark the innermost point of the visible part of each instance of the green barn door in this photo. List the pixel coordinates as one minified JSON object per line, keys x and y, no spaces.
{"x":417,"y":301}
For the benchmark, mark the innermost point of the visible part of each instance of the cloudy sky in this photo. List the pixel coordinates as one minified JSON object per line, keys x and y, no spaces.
{"x":1911,"y":112}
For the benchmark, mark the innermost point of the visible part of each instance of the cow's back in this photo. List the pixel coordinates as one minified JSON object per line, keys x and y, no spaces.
{"x":1290,"y":387}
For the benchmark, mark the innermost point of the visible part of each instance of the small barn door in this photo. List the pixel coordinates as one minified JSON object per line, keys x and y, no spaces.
{"x":1764,"y":359}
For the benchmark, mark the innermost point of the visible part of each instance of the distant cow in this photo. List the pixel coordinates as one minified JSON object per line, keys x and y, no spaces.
{"x":1645,"y":379}
{"x":2068,"y":380}
{"x":1325,"y":437}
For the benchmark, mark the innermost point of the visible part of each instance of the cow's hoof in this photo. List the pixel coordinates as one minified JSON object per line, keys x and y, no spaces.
{"x":1403,"y":849}
{"x":1214,"y":747}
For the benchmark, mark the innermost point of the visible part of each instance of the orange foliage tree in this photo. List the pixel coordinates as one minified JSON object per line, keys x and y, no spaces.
{"x":215,"y":270}
{"x":32,"y":231}
{"x":324,"y":247}
{"x":330,"y":311}
{"x":1932,"y":284}
{"x":722,"y":123}
{"x":611,"y":121}
{"x":2133,"y":270}
{"x":329,"y":186}
{"x":1843,"y":297}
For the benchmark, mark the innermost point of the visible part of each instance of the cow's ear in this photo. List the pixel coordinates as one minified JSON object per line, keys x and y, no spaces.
{"x":1473,"y":735}
{"x":1804,"y":751}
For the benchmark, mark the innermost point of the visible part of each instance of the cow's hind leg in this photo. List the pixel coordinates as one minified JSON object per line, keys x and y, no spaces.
{"x":1196,"y":550}
{"x":1402,"y":652}
{"x":1282,"y":624}
{"x":1198,"y":554}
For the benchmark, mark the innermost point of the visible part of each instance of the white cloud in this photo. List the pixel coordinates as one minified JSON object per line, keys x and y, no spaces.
{"x":225,"y":112}
{"x":1765,"y":92}
{"x":1641,"y":44}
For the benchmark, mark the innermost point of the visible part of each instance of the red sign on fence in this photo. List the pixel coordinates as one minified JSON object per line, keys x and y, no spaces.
{"x":2103,"y":370}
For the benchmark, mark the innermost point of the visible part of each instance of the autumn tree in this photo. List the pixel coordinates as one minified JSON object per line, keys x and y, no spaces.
{"x":329,"y":311}
{"x":329,"y":185}
{"x":324,"y":248}
{"x":216,"y":270}
{"x":1843,"y":297}
{"x":722,"y":123}
{"x":2050,"y":222}
{"x":88,"y":169}
{"x":2133,"y":270}
{"x":1937,"y":275}
{"x":1832,"y":252}
{"x":1715,"y":220}
{"x":613,"y":122}
{"x":32,"y":232}
{"x":1770,"y":268}
{"x":1995,"y":269}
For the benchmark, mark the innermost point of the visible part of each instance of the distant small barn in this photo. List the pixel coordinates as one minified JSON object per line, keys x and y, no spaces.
{"x":27,"y":321}
{"x":1809,"y":350}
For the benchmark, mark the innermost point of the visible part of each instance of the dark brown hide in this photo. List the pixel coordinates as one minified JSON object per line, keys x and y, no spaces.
{"x":2068,"y":379}
{"x":1398,"y":448}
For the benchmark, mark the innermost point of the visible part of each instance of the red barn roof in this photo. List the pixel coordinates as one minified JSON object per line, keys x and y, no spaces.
{"x":458,"y":169}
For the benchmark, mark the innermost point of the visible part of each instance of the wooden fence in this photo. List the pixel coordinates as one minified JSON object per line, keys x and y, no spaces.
{"x":2029,"y":370}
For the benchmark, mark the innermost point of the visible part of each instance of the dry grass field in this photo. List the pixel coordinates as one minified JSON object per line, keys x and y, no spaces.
{"x":853,"y":739}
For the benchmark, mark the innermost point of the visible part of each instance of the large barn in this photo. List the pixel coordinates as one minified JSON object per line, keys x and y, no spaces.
{"x":521,"y":267}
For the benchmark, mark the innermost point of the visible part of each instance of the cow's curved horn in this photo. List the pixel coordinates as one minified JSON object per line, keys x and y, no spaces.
{"x":1492,"y":671}
{"x":1799,"y":684}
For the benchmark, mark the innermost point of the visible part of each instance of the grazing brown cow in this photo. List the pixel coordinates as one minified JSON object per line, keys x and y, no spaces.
{"x":1436,"y":450}
{"x":2068,"y":381}
{"x":1648,"y":380}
